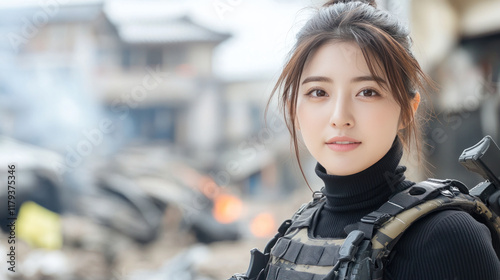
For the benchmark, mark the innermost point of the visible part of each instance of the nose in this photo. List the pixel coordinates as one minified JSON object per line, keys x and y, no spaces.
{"x":342,"y":116}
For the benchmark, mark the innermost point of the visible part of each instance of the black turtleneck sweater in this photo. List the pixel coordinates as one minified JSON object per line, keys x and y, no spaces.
{"x":449,"y":244}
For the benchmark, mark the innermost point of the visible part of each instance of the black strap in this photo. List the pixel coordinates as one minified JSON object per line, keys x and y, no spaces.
{"x":412,"y":196}
{"x":304,"y":216}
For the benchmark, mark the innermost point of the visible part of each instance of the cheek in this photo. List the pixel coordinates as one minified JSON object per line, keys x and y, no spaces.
{"x":381,"y":127}
{"x":308,"y":121}
{"x":391,"y":119}
{"x":301,"y":115}
{"x":381,"y":118}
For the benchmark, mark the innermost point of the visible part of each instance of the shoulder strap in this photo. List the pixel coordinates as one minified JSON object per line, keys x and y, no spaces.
{"x":386,"y":225}
{"x":304,"y":216}
{"x":406,"y":199}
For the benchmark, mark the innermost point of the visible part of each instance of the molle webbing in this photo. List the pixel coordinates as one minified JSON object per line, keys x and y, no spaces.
{"x":298,"y":256}
{"x":277,"y":273}
{"x":303,"y":253}
{"x":306,"y":258}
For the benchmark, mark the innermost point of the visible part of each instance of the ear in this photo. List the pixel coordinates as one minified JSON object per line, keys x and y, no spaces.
{"x":414,"y":104}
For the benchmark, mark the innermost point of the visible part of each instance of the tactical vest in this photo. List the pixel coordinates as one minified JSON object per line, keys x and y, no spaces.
{"x":298,"y":255}
{"x":294,"y":254}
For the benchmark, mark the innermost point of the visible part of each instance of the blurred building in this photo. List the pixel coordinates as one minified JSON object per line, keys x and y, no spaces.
{"x":155,"y":72}
{"x":153,"y":81}
{"x":458,"y":43}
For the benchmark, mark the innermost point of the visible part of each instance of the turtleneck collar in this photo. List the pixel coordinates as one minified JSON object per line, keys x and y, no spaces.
{"x":368,"y":188}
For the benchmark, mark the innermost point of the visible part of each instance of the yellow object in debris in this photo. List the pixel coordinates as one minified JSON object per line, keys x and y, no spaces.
{"x":39,"y":226}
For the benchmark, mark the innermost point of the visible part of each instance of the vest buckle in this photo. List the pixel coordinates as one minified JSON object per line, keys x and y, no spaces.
{"x":376,"y":218}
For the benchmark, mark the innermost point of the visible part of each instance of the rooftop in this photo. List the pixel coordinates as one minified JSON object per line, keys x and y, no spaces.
{"x":173,"y":30}
{"x":170,"y":27}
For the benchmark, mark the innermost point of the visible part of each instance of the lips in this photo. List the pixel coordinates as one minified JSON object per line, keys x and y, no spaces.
{"x":342,"y":144}
{"x":343,"y":140}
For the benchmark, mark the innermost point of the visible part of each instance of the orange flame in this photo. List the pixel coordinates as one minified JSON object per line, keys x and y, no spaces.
{"x":227,"y":208}
{"x":263,"y":225}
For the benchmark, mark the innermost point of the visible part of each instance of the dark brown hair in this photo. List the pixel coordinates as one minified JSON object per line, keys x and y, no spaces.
{"x":385,"y":44}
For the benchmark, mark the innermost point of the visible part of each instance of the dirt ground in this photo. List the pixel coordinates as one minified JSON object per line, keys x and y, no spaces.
{"x":95,"y":252}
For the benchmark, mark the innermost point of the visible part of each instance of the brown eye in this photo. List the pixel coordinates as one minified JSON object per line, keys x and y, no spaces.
{"x":368,"y":93}
{"x":318,"y":93}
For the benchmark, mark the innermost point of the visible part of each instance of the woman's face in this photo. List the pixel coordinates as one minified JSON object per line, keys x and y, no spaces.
{"x":347,"y":121}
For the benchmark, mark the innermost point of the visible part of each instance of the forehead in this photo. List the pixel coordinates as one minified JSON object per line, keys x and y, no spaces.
{"x":340,"y":57}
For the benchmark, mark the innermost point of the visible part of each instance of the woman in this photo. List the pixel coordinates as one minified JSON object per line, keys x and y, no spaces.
{"x":351,"y":89}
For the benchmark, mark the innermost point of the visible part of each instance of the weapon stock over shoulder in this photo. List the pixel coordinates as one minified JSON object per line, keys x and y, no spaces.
{"x":484,"y":159}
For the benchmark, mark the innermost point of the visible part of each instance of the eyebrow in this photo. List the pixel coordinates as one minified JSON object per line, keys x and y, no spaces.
{"x":370,"y":78}
{"x":317,"y":79}
{"x":356,"y":80}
